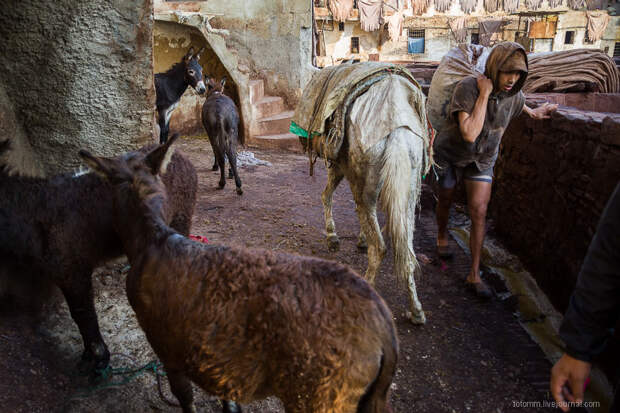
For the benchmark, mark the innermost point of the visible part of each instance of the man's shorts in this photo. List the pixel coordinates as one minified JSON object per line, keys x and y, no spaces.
{"x":447,"y":177}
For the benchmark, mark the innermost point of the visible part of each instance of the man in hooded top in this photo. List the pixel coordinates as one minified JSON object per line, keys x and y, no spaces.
{"x":467,"y":147}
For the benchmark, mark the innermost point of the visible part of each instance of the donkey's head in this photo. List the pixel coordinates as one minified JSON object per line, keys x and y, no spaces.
{"x":193,"y":70}
{"x":214,"y":86}
{"x":135,"y":176}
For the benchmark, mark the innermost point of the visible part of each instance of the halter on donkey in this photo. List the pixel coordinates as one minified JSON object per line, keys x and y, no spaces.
{"x":170,"y":86}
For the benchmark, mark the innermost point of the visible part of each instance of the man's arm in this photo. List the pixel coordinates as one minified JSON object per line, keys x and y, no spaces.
{"x":470,"y":124}
{"x":542,"y":112}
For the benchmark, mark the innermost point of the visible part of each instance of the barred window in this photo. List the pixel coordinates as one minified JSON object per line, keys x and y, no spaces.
{"x":355,"y":44}
{"x":415,"y":41}
{"x":617,"y":49}
{"x":416,"y":33}
{"x":569,"y":37}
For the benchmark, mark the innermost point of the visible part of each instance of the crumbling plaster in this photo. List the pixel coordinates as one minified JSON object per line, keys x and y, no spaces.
{"x":261,"y":39}
{"x":75,"y":74}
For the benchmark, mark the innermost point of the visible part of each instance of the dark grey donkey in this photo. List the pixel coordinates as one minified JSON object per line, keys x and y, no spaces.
{"x":170,"y":86}
{"x":57,"y":230}
{"x":220,"y":118}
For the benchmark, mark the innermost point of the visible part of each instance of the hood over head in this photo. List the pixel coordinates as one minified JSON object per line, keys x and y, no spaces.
{"x":506,"y":57}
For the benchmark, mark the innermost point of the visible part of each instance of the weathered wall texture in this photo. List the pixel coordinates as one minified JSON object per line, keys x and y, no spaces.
{"x":77,"y":74}
{"x":171,"y":41}
{"x":553,"y":179}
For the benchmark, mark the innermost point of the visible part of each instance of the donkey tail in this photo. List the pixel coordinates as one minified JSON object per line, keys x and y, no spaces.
{"x":399,"y":196}
{"x":375,"y":399}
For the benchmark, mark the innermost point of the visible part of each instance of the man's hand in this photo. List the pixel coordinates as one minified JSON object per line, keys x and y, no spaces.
{"x":485,"y":86}
{"x":568,"y":376}
{"x":544,"y":111}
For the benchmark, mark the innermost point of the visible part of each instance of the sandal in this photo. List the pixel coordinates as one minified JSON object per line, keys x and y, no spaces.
{"x":444,"y":252}
{"x":481,"y":290}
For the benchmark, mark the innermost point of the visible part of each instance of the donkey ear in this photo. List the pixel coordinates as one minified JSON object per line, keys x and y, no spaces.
{"x":189,"y":54}
{"x":223,"y":82}
{"x":197,"y":56}
{"x":157,"y":160}
{"x":105,"y":167}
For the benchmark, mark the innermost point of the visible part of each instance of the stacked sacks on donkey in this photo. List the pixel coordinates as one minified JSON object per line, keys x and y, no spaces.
{"x":220,"y":117}
{"x":57,"y":230}
{"x":368,"y":121}
{"x":246,"y":324}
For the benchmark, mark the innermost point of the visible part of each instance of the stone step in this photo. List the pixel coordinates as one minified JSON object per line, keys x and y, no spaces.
{"x":283,"y":141}
{"x":276,"y":124}
{"x":268,"y":106}
{"x":257,"y":90}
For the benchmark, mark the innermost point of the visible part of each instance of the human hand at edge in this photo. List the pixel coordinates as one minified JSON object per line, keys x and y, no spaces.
{"x":544,"y":111}
{"x":568,"y":376}
{"x":485,"y":86}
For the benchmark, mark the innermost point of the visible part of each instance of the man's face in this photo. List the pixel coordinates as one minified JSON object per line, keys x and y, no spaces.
{"x":507,"y":80}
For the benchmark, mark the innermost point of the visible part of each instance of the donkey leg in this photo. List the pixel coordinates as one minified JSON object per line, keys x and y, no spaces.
{"x":362,"y":244}
{"x":221,"y":161}
{"x":232,"y":160}
{"x":229,"y":406}
{"x":334,"y":177}
{"x":163,"y":127}
{"x":78,"y":292}
{"x":181,"y":387}
{"x":417,"y":314}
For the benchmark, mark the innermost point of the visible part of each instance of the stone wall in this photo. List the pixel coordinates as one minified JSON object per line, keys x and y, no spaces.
{"x":553,"y":179}
{"x":75,"y":74}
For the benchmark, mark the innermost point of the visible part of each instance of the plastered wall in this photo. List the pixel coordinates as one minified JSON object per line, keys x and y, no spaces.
{"x":76,"y":74}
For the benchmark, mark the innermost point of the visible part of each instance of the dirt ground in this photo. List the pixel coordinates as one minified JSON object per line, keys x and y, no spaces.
{"x":471,"y":356}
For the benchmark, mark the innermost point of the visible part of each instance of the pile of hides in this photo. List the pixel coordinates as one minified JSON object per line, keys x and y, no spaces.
{"x":491,"y":6}
{"x":340,"y":9}
{"x":597,"y":23}
{"x":442,"y":6}
{"x":489,"y":31}
{"x":511,"y":6}
{"x":458,"y":26}
{"x":468,"y":6}
{"x":580,"y":70}
{"x":371,"y":14}
{"x":323,"y":107}
{"x":460,"y":62}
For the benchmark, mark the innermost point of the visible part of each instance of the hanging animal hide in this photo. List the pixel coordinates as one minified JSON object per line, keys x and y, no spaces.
{"x":489,"y":31}
{"x":442,"y":6}
{"x":459,"y":28}
{"x":491,"y":6}
{"x":420,"y":6}
{"x":533,"y":4}
{"x":555,"y":3}
{"x":576,"y":4}
{"x":395,"y":25}
{"x":596,"y":4}
{"x":341,"y":9}
{"x":597,"y":23}
{"x":468,"y":6}
{"x":511,"y":6}
{"x":371,"y":14}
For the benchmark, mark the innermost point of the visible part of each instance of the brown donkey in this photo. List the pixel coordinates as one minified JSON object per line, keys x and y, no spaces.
{"x":245,"y":324}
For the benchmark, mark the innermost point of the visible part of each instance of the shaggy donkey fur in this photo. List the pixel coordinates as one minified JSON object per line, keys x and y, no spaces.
{"x":57,"y":230}
{"x":245,"y":324}
{"x":220,"y":118}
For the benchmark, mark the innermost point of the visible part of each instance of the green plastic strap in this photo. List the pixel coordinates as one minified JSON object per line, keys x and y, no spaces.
{"x":298,"y":130}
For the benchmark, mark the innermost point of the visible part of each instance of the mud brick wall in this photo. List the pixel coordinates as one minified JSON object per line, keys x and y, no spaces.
{"x":75,"y":74}
{"x":553,"y":179}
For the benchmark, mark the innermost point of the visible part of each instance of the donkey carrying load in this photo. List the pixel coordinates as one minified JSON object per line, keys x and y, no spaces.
{"x":220,"y":118}
{"x":244,"y":324}
{"x":170,"y":86}
{"x":368,"y":121}
{"x":57,"y":230}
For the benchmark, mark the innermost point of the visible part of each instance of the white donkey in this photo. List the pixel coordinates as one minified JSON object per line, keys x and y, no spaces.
{"x":383,"y":159}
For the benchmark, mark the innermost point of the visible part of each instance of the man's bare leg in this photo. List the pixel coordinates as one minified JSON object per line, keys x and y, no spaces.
{"x":442,"y":212}
{"x":478,"y":196}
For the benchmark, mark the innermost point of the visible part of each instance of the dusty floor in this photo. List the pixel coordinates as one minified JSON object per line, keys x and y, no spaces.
{"x":469,"y":357}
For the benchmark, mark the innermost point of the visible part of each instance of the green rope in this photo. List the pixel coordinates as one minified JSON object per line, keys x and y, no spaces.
{"x":105,"y":378}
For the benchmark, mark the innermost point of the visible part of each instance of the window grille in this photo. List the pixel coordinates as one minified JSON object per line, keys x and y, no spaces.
{"x":355,"y":44}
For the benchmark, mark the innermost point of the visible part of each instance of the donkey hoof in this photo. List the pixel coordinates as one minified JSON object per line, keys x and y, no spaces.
{"x":215,"y":168}
{"x":239,"y":191}
{"x":333,"y":243}
{"x":418,"y":318}
{"x":362,"y":246}
{"x":221,"y":185}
